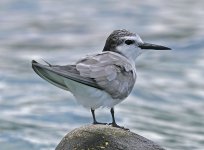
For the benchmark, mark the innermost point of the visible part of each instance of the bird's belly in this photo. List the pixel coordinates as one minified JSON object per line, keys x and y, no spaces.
{"x":90,"y":97}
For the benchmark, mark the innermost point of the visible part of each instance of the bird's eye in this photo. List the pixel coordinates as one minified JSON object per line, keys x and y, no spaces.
{"x":128,"y":42}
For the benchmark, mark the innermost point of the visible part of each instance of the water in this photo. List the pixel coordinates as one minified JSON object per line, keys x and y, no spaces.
{"x":167,"y":102}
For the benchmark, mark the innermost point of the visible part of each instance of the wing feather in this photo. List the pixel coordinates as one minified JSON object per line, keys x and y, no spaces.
{"x":112,"y":72}
{"x":57,"y":74}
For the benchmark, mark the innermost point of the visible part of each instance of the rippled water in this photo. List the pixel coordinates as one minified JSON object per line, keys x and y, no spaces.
{"x":167,"y":102}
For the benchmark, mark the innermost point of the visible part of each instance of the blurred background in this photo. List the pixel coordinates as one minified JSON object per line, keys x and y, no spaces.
{"x":167,"y":102}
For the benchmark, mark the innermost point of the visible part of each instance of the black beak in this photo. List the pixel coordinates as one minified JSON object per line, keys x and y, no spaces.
{"x":153,"y":46}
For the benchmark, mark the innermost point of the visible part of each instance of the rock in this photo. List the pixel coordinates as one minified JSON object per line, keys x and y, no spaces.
{"x":99,"y":137}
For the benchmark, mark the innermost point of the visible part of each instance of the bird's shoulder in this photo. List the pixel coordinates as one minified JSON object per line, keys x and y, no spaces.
{"x":105,"y":59}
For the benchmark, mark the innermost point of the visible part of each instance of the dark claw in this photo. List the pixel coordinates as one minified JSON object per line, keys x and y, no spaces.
{"x":117,"y":126}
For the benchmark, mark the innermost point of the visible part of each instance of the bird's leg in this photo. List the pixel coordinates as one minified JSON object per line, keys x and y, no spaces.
{"x":94,"y":118}
{"x":113,"y":121}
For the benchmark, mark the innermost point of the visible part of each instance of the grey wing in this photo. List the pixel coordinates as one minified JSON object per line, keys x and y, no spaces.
{"x":110,"y":73}
{"x":56,"y":75}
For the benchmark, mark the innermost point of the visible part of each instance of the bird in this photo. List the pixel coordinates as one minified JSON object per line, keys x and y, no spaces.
{"x":102,"y":79}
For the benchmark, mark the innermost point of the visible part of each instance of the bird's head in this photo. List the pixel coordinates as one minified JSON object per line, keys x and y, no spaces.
{"x":129,"y":44}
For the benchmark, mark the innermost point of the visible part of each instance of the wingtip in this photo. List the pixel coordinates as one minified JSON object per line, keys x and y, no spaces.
{"x":167,"y":48}
{"x":33,"y":62}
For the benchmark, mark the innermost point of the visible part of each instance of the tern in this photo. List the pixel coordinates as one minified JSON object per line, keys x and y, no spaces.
{"x":103,"y":79}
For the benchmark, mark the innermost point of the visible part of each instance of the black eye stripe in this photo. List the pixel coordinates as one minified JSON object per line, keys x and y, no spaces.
{"x":128,"y":42}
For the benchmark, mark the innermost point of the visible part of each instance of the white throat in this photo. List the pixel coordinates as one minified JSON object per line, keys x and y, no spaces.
{"x":130,"y":51}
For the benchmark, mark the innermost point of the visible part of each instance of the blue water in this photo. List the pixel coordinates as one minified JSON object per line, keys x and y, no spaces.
{"x":167,"y":102}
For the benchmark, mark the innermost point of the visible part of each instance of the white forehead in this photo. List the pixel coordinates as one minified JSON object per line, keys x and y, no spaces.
{"x":135,"y":38}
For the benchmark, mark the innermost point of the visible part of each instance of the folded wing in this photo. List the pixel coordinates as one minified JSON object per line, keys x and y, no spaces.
{"x":56,"y":75}
{"x":107,"y":71}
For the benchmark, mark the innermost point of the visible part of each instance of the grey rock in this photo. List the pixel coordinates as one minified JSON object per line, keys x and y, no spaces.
{"x":104,"y":137}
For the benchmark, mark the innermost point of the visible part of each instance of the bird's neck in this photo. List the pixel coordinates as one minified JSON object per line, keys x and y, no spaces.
{"x":130,"y":54}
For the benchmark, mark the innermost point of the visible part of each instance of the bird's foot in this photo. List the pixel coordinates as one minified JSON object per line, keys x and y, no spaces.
{"x":117,"y":126}
{"x":95,"y":122}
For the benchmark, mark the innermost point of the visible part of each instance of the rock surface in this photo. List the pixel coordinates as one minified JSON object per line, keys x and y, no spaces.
{"x":99,"y":137}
